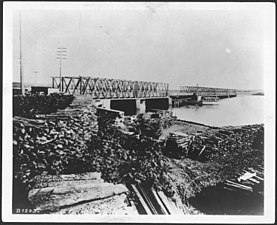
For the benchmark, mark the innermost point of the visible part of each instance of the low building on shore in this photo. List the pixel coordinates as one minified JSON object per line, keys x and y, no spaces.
{"x":46,"y":90}
{"x":16,"y":88}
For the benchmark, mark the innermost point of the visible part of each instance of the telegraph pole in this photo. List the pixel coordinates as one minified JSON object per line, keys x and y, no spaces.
{"x":61,"y":54}
{"x":35,"y":72}
{"x":20,"y":58}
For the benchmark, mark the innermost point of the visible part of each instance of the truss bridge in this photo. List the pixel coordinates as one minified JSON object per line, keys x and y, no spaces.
{"x":208,"y":91}
{"x":103,"y":88}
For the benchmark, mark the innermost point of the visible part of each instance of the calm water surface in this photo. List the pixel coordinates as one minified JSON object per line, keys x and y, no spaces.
{"x":241,"y":110}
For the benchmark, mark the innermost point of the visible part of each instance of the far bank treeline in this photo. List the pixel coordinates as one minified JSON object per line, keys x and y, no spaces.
{"x":77,"y":140}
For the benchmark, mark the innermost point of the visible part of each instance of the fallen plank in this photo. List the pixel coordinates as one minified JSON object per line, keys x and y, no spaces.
{"x":238,"y":185}
{"x":143,"y":203}
{"x":201,"y":151}
{"x":164,"y":210}
{"x":246,"y":176}
{"x":173,"y":210}
{"x":54,"y":198}
{"x":148,"y":200}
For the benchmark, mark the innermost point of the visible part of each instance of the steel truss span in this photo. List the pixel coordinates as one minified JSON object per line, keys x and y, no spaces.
{"x":208,"y":91}
{"x":102,"y":88}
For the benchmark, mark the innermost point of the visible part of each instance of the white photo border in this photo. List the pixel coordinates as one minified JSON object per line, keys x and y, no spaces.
{"x":269,"y":76}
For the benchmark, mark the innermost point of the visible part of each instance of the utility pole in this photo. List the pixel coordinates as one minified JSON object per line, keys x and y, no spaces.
{"x":61,"y":54}
{"x":35,"y":72}
{"x":20,"y":58}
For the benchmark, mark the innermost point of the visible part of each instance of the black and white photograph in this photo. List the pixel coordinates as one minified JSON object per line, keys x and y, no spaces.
{"x":138,"y":112}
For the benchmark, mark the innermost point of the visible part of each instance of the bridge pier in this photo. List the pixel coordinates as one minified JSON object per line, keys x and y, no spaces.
{"x":140,"y":106}
{"x":158,"y":103}
{"x":134,"y":106}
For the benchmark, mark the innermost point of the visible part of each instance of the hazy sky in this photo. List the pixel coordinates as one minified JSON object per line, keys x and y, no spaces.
{"x":160,"y":42}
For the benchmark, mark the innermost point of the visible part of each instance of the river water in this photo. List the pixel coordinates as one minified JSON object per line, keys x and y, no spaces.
{"x":240,"y":110}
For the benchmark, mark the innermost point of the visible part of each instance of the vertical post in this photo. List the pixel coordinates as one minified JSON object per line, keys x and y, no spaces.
{"x":136,"y":89}
{"x":62,"y":81}
{"x":81,"y":79}
{"x":61,"y":72}
{"x":20,"y":57}
{"x":52,"y":82}
{"x":61,"y":54}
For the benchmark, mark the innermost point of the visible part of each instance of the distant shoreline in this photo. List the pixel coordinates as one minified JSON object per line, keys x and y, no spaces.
{"x":259,"y":94}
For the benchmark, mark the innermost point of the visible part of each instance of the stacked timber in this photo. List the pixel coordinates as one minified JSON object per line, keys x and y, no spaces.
{"x":79,"y":114}
{"x":205,"y":145}
{"x":75,"y":194}
{"x":166,"y":119}
{"x":150,"y":124}
{"x":131,"y":123}
{"x":52,"y":143}
{"x":237,"y":152}
{"x":178,"y":144}
{"x":107,"y":120}
{"x":31,"y":105}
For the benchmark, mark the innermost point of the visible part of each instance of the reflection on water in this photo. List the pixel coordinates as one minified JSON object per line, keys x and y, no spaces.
{"x":240,"y":110}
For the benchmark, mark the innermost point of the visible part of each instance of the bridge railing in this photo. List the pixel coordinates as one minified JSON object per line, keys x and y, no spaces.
{"x":101,"y":88}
